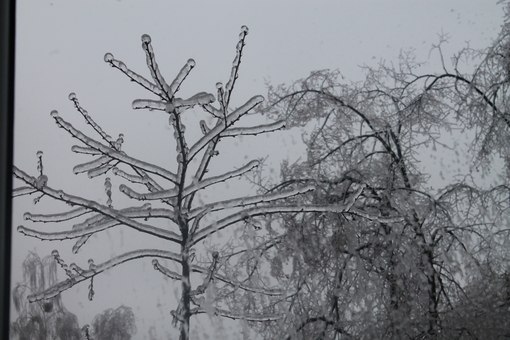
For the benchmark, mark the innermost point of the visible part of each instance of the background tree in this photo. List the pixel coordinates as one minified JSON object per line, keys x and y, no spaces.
{"x":114,"y":324}
{"x":420,"y":276}
{"x":42,"y":320}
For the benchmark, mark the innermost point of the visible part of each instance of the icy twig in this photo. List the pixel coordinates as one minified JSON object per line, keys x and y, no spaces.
{"x":154,"y":68}
{"x":234,"y":73}
{"x":85,"y":150}
{"x":239,"y":316}
{"x":21,"y":191}
{"x":244,"y":201}
{"x":165,"y":271}
{"x":166,"y":194}
{"x":59,"y":217}
{"x":94,"y":206}
{"x":254,"y":130}
{"x":96,"y":163}
{"x":220,"y":127}
{"x":183,"y":73}
{"x":133,"y":76}
{"x":108,"y":151}
{"x":107,"y":138}
{"x":87,"y":274}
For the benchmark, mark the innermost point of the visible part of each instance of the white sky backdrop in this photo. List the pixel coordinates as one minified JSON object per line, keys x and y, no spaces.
{"x":60,"y":49}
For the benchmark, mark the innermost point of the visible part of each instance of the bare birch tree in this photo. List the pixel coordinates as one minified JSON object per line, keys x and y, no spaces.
{"x":159,"y":193}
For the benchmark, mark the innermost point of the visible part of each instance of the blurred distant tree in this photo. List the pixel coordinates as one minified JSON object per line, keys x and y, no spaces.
{"x":114,"y":324}
{"x":43,"y":320}
{"x":421,"y":276}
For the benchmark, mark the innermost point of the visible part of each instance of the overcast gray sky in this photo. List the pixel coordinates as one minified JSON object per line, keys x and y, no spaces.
{"x":60,"y":49}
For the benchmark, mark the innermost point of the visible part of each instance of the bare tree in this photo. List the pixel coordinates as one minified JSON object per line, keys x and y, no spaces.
{"x":168,"y":195}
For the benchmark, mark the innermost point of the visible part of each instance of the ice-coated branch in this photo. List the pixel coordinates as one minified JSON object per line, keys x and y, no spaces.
{"x":94,"y":206}
{"x":183,"y":73}
{"x":244,"y":201}
{"x":221,"y":126}
{"x":165,"y":271}
{"x":84,"y":150}
{"x":120,"y":156}
{"x":132,"y":178}
{"x":107,"y":138}
{"x":237,"y":285}
{"x":96,"y":163}
{"x":239,"y":316}
{"x":133,"y":76}
{"x":234,"y":73}
{"x":82,"y":275}
{"x":153,"y":66}
{"x":166,"y":194}
{"x":254,"y":130}
{"x":151,"y":104}
{"x":103,"y":225}
{"x":21,"y":191}
{"x":210,"y":275}
{"x":101,"y":170}
{"x":277,"y":209}
{"x":60,"y":217}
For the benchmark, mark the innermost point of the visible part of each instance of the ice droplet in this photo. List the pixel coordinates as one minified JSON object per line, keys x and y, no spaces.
{"x":244,"y":29}
{"x":108,"y":57}
{"x":54,"y":113}
{"x":72,"y":96}
{"x":191,"y":62}
{"x":27,"y":216}
{"x":146,"y":39}
{"x":39,"y":153}
{"x":54,"y":253}
{"x":219,"y":85}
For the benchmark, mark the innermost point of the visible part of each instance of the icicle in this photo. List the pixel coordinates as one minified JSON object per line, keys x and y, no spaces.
{"x":39,"y":155}
{"x":203,"y":126}
{"x":91,"y":289}
{"x":108,"y":190}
